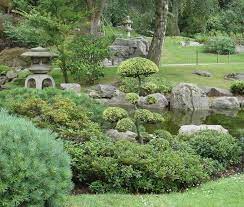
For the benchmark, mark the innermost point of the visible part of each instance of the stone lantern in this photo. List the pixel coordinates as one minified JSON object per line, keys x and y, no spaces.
{"x":128,"y":25}
{"x":40,"y":66}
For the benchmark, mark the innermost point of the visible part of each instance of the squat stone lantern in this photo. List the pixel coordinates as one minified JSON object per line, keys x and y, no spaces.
{"x":128,"y":25}
{"x":40,"y":66}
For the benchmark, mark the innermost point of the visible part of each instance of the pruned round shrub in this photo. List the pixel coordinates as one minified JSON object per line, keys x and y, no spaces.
{"x":221,"y":45}
{"x":114,"y":114}
{"x":138,"y":66}
{"x":146,"y":116}
{"x":125,"y":124}
{"x":124,"y":166}
{"x":149,"y":88}
{"x":132,"y":98}
{"x":151,"y":100}
{"x":237,"y":87}
{"x":218,"y":146}
{"x":35,"y":170}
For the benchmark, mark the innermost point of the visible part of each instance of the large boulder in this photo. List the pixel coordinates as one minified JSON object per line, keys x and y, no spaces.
{"x":187,"y":96}
{"x":192,"y":129}
{"x":71,"y":87}
{"x":103,"y":91}
{"x":161,"y":102}
{"x":12,"y":57}
{"x":116,"y":135}
{"x":216,"y":92}
{"x":225,"y":103}
{"x":123,"y":49}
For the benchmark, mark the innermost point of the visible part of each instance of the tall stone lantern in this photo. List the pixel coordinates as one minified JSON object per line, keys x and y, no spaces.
{"x":40,"y":66}
{"x":128,"y":25}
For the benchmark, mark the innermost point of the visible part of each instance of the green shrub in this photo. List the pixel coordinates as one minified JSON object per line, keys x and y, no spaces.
{"x":221,"y":44}
{"x":59,"y":113}
{"x":149,"y":88}
{"x":114,"y":114}
{"x":146,"y":116}
{"x":151,"y":100}
{"x":220,"y":147}
{"x":138,"y":68}
{"x":133,"y":98}
{"x":127,"y":85}
{"x":125,"y":124}
{"x":123,"y":166}
{"x":237,"y":88}
{"x":4,"y":69}
{"x":35,"y":171}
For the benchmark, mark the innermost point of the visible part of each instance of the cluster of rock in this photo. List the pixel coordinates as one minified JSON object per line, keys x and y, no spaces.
{"x":110,"y":95}
{"x":235,"y":76}
{"x":184,"y":96}
{"x":187,"y":96}
{"x":190,"y":44}
{"x":123,"y":49}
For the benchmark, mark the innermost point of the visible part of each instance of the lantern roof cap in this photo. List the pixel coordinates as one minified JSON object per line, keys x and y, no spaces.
{"x":39,"y":52}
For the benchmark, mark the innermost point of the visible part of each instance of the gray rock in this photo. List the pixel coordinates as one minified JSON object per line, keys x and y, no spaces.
{"x":187,"y":96}
{"x":192,"y":129}
{"x":161,"y":103}
{"x":225,"y":103}
{"x":216,"y":92}
{"x":71,"y":87}
{"x":235,"y":76}
{"x":202,"y":73}
{"x":105,"y":91}
{"x":116,"y":135}
{"x":3,"y":80}
{"x":11,"y":75}
{"x":123,"y":49}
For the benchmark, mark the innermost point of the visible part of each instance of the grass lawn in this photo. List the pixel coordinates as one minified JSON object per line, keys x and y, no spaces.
{"x":228,"y":192}
{"x":174,"y":53}
{"x":177,"y":74}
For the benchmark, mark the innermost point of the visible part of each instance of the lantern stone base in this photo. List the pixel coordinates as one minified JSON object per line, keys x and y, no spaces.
{"x":39,"y":81}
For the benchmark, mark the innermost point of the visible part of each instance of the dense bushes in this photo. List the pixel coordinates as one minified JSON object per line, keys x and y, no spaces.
{"x":221,"y":44}
{"x":237,"y":88}
{"x":35,"y":171}
{"x":62,"y":114}
{"x":220,"y":147}
{"x":124,"y":166}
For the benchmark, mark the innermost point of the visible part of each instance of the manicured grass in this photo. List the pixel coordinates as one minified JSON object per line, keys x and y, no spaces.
{"x":228,"y":192}
{"x":177,"y":74}
{"x":174,"y":53}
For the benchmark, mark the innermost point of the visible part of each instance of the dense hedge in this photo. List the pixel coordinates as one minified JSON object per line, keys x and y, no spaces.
{"x":35,"y":171}
{"x":125,"y":166}
{"x":221,"y":45}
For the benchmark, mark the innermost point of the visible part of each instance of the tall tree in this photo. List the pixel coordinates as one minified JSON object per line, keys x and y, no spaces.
{"x":161,"y":16}
{"x":96,"y":8}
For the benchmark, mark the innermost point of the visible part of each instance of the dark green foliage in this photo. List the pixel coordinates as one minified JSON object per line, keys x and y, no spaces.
{"x":237,"y":88}
{"x":63,"y":112}
{"x":124,"y":166}
{"x":35,"y":171}
{"x":88,"y":53}
{"x":219,"y":147}
{"x":221,"y":45}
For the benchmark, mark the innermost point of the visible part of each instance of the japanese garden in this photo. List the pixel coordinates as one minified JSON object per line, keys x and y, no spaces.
{"x":121,"y":103}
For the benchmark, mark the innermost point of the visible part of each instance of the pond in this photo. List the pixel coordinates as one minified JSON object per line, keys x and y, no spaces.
{"x":231,"y":120}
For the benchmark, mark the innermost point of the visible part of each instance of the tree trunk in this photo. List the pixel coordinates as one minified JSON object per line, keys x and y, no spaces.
{"x":96,"y":8}
{"x":175,"y":22}
{"x":161,"y":14}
